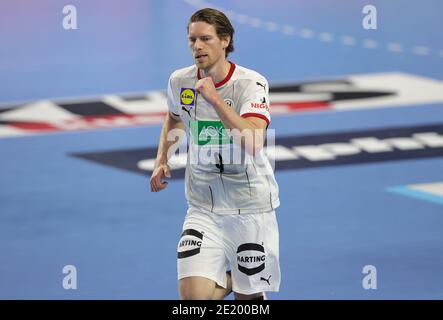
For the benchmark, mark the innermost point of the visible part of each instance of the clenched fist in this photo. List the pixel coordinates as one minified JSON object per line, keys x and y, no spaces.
{"x":206,"y":88}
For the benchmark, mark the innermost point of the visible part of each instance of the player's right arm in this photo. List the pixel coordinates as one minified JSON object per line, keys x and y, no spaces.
{"x":171,"y":134}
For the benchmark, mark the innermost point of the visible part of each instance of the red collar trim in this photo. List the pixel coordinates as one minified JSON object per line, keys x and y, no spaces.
{"x":228,"y":77}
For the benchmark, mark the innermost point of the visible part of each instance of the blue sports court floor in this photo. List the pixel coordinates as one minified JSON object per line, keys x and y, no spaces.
{"x":358,"y":122}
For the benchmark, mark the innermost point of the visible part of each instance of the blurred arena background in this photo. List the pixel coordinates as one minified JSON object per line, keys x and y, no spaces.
{"x":358,"y":117}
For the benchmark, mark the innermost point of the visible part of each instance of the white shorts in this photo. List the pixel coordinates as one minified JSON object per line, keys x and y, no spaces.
{"x":246,"y":243}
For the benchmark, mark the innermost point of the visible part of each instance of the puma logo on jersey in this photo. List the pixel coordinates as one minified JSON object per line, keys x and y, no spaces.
{"x":261,"y":85}
{"x":188,"y":111}
{"x":267,"y":280}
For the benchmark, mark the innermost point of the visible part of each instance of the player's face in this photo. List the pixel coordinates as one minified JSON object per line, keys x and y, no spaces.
{"x":206,"y":46}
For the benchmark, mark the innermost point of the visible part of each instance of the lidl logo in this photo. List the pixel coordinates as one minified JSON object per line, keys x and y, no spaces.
{"x":209,"y":133}
{"x":187,"y":96}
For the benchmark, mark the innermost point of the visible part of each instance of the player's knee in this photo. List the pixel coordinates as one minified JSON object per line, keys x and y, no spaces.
{"x":254,"y":296}
{"x":191,"y":293}
{"x":190,"y":289}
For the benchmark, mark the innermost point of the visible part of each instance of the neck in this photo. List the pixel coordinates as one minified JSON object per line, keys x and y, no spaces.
{"x":218,"y":71}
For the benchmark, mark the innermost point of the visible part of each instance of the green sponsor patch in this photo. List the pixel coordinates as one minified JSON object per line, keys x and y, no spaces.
{"x":207,"y":132}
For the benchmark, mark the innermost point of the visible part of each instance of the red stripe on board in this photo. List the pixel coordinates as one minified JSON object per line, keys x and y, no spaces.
{"x":37,"y":126}
{"x":118,"y":116}
{"x":303,"y":105}
{"x":141,"y":119}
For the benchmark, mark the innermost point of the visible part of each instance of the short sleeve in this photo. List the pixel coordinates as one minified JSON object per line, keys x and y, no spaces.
{"x":255,"y":99}
{"x":172,"y":102}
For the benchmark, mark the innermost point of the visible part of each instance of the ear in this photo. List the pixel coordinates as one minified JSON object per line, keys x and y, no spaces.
{"x":226,"y":41}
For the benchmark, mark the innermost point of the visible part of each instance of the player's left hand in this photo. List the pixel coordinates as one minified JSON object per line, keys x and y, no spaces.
{"x":206,"y":88}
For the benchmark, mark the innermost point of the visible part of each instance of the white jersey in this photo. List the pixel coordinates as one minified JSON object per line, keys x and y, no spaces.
{"x":220,"y":176}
